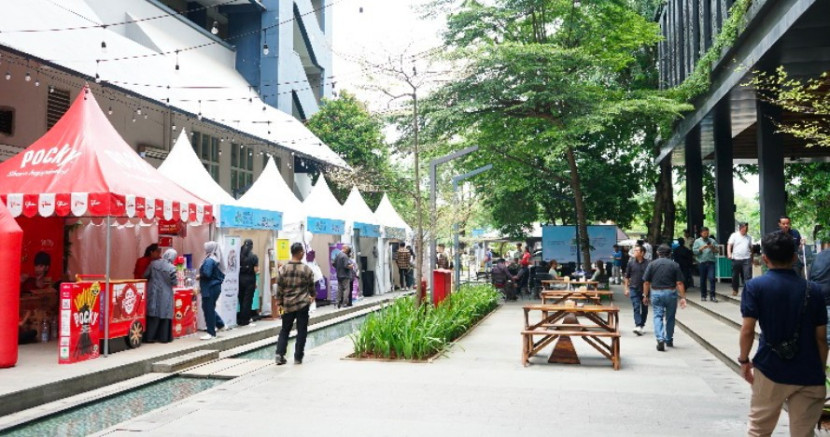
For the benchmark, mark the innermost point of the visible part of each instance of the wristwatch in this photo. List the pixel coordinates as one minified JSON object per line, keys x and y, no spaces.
{"x":744,"y":361}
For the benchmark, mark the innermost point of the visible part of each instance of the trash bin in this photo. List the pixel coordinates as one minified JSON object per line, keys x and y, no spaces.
{"x":441,"y":285}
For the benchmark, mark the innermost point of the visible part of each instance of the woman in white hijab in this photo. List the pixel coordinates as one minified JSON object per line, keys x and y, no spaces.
{"x":161,"y":277}
{"x":211,"y":275}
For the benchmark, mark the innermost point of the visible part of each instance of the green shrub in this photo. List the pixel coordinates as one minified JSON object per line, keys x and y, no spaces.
{"x":402,"y":331}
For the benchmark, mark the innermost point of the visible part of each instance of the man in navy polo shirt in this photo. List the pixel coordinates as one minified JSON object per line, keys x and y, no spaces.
{"x":779,"y":303}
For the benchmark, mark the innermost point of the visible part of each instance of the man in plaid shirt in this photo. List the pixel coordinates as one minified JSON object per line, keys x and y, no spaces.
{"x":295,"y":293}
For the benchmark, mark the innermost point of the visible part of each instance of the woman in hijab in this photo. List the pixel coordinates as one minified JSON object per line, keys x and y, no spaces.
{"x":161,"y":277}
{"x":211,"y":275}
{"x":248,"y":267}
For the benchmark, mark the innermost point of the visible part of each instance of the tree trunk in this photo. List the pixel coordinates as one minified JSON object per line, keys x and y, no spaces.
{"x":579,"y":204}
{"x":669,"y":208}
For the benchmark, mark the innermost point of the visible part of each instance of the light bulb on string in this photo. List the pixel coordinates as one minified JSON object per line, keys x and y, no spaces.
{"x":177,"y":60}
{"x":37,"y":82}
{"x":215,"y":28}
{"x":28,"y":77}
{"x":103,"y":46}
{"x":138,"y":111}
{"x":51,"y":89}
{"x":134,"y":119}
{"x":174,"y":126}
{"x":265,"y":49}
{"x":145,"y":116}
{"x":8,"y":75}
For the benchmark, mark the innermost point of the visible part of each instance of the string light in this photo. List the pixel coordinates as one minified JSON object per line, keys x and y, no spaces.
{"x":265,"y":50}
{"x":215,"y":28}
{"x":109,"y":111}
{"x":28,"y":77}
{"x":177,"y":60}
{"x":8,"y":75}
{"x":51,"y":89}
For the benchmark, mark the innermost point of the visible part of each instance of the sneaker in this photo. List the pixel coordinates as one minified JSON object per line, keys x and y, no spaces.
{"x":280,"y":360}
{"x":207,"y":337}
{"x":713,"y":299}
{"x":642,"y":329}
{"x":638,"y":330}
{"x":661,"y":346}
{"x":251,"y":325}
{"x":670,"y":343}
{"x":298,"y":361}
{"x":734,"y":292}
{"x":703,"y":299}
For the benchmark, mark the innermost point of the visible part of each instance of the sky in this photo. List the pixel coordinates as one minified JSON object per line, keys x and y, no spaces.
{"x":384,"y":28}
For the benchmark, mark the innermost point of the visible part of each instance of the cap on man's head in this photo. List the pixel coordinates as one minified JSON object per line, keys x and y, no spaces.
{"x":664,"y":249}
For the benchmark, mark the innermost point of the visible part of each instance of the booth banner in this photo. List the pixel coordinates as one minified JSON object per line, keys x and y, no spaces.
{"x":283,"y":249}
{"x":367,"y":230}
{"x":42,"y":236}
{"x":559,"y":243}
{"x":228,"y":300}
{"x":184,"y":317}
{"x":334,"y":250}
{"x":79,"y":322}
{"x":318,"y":225}
{"x":249,"y":218}
{"x":394,"y":233}
{"x":128,"y":307}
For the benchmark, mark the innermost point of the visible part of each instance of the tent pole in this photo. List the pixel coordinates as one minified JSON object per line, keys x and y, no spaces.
{"x":106,"y":299}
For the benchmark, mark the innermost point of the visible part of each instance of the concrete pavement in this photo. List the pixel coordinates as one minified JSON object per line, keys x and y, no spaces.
{"x":480,"y":388}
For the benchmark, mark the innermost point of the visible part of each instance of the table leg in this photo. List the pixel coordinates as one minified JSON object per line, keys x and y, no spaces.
{"x":564,"y":351}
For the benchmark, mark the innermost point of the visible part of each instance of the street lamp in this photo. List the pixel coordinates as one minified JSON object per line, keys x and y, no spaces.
{"x":455,"y":247}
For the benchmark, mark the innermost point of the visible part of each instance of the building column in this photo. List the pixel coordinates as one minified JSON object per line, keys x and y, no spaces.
{"x":724,"y":190}
{"x":694,"y":182}
{"x":773,"y":198}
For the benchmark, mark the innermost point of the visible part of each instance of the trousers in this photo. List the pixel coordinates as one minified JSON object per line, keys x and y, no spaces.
{"x":301,"y":316}
{"x":344,"y":291}
{"x":804,"y":404}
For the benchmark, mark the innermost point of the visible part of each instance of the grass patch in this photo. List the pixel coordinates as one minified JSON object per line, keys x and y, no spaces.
{"x":402,"y":331}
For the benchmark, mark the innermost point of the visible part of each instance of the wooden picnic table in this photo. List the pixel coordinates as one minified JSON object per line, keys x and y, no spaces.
{"x":560,"y":296}
{"x":558,"y":321}
{"x":569,"y":284}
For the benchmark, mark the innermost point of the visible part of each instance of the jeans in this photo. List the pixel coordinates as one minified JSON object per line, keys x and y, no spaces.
{"x":404,"y":275}
{"x":301,"y":316}
{"x":664,"y":304}
{"x":688,"y":279}
{"x":212,"y":320}
{"x":828,"y":325}
{"x":247,"y":286}
{"x":616,"y":274}
{"x":640,"y":310}
{"x":707,"y":274}
{"x":741,"y":268}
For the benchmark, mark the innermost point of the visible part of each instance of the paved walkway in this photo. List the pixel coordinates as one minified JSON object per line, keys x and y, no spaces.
{"x":479,"y":389}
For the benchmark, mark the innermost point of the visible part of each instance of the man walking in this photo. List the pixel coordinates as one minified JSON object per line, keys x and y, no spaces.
{"x":344,"y":267}
{"x":792,"y":350}
{"x":295,"y":293}
{"x":634,"y":288}
{"x":704,"y":250}
{"x":616,"y":269}
{"x":739,"y":250}
{"x":402,"y":259}
{"x":662,"y":284}
{"x":820,"y":274}
{"x":785,"y":226}
{"x":684,"y":257}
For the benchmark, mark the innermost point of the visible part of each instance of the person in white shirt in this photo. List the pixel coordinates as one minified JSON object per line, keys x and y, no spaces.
{"x":739,"y":250}
{"x":648,"y":255}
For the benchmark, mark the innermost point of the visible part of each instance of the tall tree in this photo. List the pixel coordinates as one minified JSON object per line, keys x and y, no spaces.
{"x":548,"y":81}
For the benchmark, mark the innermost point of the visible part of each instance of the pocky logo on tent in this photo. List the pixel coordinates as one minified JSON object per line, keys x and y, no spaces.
{"x":59,"y":156}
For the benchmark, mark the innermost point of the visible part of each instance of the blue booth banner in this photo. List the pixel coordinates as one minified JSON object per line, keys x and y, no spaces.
{"x":318,"y":225}
{"x":394,"y":233}
{"x":558,"y":242}
{"x":367,"y":230}
{"x":249,"y":218}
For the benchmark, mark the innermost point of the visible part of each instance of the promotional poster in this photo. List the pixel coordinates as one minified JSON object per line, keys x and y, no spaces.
{"x":80,"y":314}
{"x":228,"y":300}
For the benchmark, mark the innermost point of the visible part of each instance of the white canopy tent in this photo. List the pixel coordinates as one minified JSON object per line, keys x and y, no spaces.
{"x":393,"y":230}
{"x":184,"y":167}
{"x":325,"y":219}
{"x":270,"y":191}
{"x":364,"y":231}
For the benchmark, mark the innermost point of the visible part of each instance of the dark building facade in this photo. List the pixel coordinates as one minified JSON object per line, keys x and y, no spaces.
{"x":729,"y":124}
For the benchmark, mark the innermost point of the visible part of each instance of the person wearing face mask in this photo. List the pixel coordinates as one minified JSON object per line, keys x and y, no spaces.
{"x":161,"y":277}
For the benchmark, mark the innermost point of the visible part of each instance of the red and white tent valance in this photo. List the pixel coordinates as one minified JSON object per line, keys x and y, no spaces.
{"x":105,"y":204}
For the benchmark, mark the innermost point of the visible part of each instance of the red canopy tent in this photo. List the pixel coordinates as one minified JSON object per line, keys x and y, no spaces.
{"x":83,"y":168}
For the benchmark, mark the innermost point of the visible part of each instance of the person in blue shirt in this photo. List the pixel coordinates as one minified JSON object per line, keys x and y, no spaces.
{"x":788,"y":309}
{"x":616,"y":270}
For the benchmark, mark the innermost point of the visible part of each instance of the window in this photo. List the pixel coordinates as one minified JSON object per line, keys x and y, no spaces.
{"x":6,"y":121}
{"x":242,"y":168}
{"x":56,"y":105}
{"x":207,"y":148}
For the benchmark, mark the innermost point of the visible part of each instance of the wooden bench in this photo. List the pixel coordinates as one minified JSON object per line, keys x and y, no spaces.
{"x":562,"y":322}
{"x":559,"y":296}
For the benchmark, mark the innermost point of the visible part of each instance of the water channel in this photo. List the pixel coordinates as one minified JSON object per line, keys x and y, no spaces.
{"x":107,"y":412}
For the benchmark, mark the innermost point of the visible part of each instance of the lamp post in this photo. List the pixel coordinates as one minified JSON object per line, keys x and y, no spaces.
{"x":433,"y":165}
{"x":455,"y":248}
